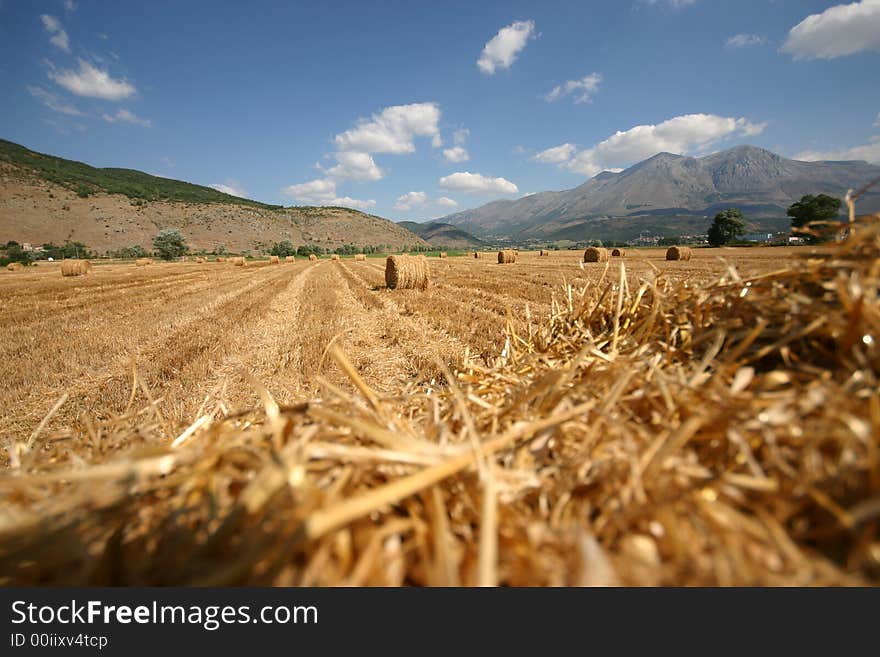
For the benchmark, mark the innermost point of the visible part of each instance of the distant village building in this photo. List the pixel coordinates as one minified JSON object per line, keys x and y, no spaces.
{"x":758,"y":237}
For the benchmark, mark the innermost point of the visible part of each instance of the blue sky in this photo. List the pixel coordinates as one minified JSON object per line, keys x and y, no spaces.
{"x":413,"y":110}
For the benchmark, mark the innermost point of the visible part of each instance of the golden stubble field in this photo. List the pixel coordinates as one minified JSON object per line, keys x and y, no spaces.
{"x":644,"y":422}
{"x":189,"y":330}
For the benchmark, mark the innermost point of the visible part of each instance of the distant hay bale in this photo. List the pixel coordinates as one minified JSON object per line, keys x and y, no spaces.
{"x":313,"y":257}
{"x":14,"y":266}
{"x":443,"y":254}
{"x":75,"y":267}
{"x":477,"y":255}
{"x":596,"y":254}
{"x":406,"y":272}
{"x":678,"y":253}
{"x":506,"y":256}
{"x":220,"y":259}
{"x":290,"y":259}
{"x":143,"y":262}
{"x":360,"y":256}
{"x":542,"y":252}
{"x":274,"y":260}
{"x":617,"y":253}
{"x":239,"y":262}
{"x":334,"y":256}
{"x":200,"y":259}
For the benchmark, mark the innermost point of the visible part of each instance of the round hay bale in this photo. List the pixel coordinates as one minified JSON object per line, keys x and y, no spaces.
{"x":239,"y":262}
{"x":443,"y":254}
{"x":200,"y":259}
{"x":220,"y":259}
{"x":406,"y":272}
{"x":14,"y":266}
{"x":477,"y":255}
{"x":75,"y":267}
{"x":143,"y":262}
{"x":290,"y":259}
{"x":543,"y":252}
{"x":506,"y":256}
{"x":334,"y":256}
{"x":617,"y":253}
{"x":678,"y":253}
{"x":360,"y":256}
{"x":274,"y":260}
{"x":312,"y":257}
{"x":596,"y":254}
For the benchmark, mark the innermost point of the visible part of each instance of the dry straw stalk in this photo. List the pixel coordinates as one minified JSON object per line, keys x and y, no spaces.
{"x":645,"y":433}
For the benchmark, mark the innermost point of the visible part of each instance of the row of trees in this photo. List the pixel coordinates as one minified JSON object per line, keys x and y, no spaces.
{"x":729,"y":224}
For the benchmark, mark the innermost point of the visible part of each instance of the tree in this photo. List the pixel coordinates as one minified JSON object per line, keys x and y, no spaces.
{"x":169,"y":244}
{"x":727,"y":226}
{"x":813,"y":208}
{"x":282,"y":249}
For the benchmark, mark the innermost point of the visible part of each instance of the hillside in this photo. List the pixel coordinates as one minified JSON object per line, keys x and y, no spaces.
{"x":669,"y":194}
{"x":440,"y":234}
{"x":41,"y":201}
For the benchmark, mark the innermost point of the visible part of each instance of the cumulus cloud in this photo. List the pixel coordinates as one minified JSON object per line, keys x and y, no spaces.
{"x":742,"y":40}
{"x":357,"y":166}
{"x":124,"y":116}
{"x":838,"y":31}
{"x":869,"y":152}
{"x":52,"y":101}
{"x":411,"y":200}
{"x":456,"y":154}
{"x":392,"y":130}
{"x":475,"y":183}
{"x":583,"y":89}
{"x":92,"y":82}
{"x":59,"y":35}
{"x":323,"y":192}
{"x":502,"y":49}
{"x":446,"y":202}
{"x":556,"y":155}
{"x":230,"y":187}
{"x":680,"y":134}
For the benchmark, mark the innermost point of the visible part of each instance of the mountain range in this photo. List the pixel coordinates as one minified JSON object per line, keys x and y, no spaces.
{"x":440,"y":234}
{"x":670,"y":194}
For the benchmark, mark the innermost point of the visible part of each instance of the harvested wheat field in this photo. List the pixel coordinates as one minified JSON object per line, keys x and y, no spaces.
{"x":706,"y":422}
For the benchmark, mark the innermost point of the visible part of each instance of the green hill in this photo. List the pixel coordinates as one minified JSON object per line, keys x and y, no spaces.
{"x":86,"y":180}
{"x":440,"y":234}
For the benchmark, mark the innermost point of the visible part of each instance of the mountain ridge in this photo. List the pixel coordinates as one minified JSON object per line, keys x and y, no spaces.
{"x":685,"y":191}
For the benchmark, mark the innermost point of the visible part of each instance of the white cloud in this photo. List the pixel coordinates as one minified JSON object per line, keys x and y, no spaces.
{"x":456,"y":154}
{"x":446,"y":202}
{"x":742,"y":40}
{"x":502,"y":49}
{"x":323,"y":192}
{"x":69,"y":6}
{"x":52,"y":101}
{"x":839,"y":30}
{"x":355,"y":166}
{"x":59,"y":36}
{"x":92,"y":82}
{"x":869,"y":152}
{"x":231,"y":187}
{"x":124,"y":116}
{"x":583,"y":89}
{"x":392,"y":130}
{"x":475,"y":183}
{"x":411,"y":200}
{"x":557,"y":154}
{"x":680,"y":134}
